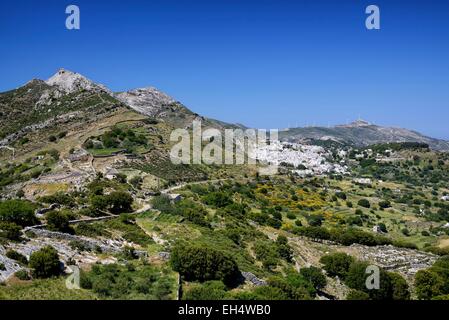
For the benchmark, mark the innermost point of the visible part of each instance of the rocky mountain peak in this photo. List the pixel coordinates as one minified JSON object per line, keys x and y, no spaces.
{"x":147,"y":100}
{"x":357,"y":123}
{"x":69,"y":82}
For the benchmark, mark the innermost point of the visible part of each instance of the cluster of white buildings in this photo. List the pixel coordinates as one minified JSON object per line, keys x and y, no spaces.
{"x":306,"y":159}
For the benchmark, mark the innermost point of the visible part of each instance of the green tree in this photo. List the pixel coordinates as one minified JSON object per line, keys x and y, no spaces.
{"x":284,"y":250}
{"x":20,"y":212}
{"x":428,"y":284}
{"x":315,"y":276}
{"x":364,"y":203}
{"x":383,"y":227}
{"x":337,"y":264}
{"x":391,"y":285}
{"x":384,"y":204}
{"x":58,"y":221}
{"x":120,"y":202}
{"x":98,"y":202}
{"x":45,"y":262}
{"x":203,"y":263}
{"x":400,"y":287}
{"x":267,"y":253}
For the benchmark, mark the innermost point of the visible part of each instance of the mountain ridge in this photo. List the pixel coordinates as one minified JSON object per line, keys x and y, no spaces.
{"x":361,"y":133}
{"x":50,"y":97}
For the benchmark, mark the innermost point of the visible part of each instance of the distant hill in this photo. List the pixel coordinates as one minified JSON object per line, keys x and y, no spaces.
{"x":360,"y":134}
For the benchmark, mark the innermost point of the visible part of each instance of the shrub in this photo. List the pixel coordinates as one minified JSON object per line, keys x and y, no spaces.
{"x":364,"y":203}
{"x":98,"y":202}
{"x":62,"y":134}
{"x":275,"y":223}
{"x":10,"y":231}
{"x":119,"y":202}
{"x":434,"y":281}
{"x":14,"y":255}
{"x":313,"y":232}
{"x":341,"y":195}
{"x":382,"y":227}
{"x":291,"y":216}
{"x":217,"y":199}
{"x":400,"y":287}
{"x":78,"y":245}
{"x":276,"y":214}
{"x":391,"y":286}
{"x":268,"y":293}
{"x":315,"y":220}
{"x":91,"y":230}
{"x":284,"y":249}
{"x":121,"y":178}
{"x":267,"y":254}
{"x":357,"y":295}
{"x":136,"y":182}
{"x":337,"y":264}
{"x":384,"y":204}
{"x":20,"y":212}
{"x":233,"y":234}
{"x":356,"y":220}
{"x":294,"y":287}
{"x":351,"y":235}
{"x":45,"y":262}
{"x":58,"y":221}
{"x":163,"y":204}
{"x":22,"y":275}
{"x":210,"y":290}
{"x":315,"y":276}
{"x":59,"y":198}
{"x":129,"y":253}
{"x":20,"y":194}
{"x":195,"y":212}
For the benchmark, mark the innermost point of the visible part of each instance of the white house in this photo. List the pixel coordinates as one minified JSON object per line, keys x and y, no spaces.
{"x":365,"y":181}
{"x":111,"y":173}
{"x":377,"y":229}
{"x":174,"y":197}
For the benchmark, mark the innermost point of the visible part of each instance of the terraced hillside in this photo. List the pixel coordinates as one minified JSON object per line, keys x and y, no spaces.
{"x":86,"y":182}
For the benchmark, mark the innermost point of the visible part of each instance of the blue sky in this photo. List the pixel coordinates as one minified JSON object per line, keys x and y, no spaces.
{"x":265,"y":63}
